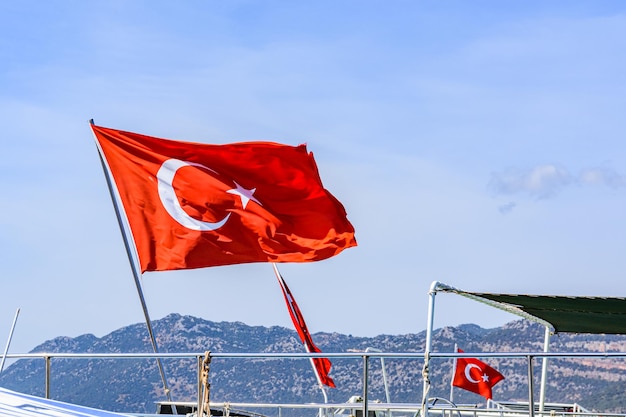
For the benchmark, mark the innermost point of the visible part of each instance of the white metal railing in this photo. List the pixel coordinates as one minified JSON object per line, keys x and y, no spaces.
{"x":365,"y":407}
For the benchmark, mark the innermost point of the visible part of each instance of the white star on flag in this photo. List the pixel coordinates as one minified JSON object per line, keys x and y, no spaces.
{"x":245,"y":194}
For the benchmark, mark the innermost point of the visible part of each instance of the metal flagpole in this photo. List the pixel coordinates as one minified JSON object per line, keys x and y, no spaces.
{"x":382,"y":365}
{"x":133,"y":267}
{"x":456,"y":349}
{"x":6,"y":349}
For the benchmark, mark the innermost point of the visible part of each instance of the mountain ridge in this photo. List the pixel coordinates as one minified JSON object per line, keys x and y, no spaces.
{"x":123,"y":385}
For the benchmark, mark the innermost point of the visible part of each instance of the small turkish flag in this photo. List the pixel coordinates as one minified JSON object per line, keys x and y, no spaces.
{"x":475,"y":376}
{"x":322,"y":365}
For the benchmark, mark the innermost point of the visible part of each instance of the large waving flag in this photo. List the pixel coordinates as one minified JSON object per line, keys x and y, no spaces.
{"x":321,"y":365}
{"x":192,"y":205}
{"x":475,"y":376}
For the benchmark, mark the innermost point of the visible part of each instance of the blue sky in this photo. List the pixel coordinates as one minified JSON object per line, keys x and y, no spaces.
{"x":475,"y":143}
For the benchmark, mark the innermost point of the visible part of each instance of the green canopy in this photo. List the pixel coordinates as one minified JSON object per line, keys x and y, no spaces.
{"x":564,"y":314}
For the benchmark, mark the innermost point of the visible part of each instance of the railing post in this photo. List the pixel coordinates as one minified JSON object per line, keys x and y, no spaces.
{"x":365,"y":386}
{"x":531,"y":399}
{"x":429,"y":333}
{"x":47,"y":359}
{"x":544,"y":370}
{"x":199,"y":385}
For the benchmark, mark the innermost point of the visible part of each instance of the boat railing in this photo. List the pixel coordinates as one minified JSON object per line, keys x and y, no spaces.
{"x":365,"y":407}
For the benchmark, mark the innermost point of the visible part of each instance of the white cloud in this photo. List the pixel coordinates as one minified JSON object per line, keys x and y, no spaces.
{"x":542,"y":181}
{"x":602,"y":176}
{"x":507,"y":208}
{"x":545,"y":181}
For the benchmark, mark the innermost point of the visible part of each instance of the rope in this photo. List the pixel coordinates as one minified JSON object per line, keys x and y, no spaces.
{"x":206,"y":386}
{"x":425,"y":375}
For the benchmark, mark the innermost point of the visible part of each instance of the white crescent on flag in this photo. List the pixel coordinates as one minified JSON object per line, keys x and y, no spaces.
{"x":468,"y":375}
{"x":168,"y":197}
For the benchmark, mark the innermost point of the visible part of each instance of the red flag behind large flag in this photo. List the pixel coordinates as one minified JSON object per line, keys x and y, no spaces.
{"x":192,"y":205}
{"x":475,"y":376}
{"x":322,"y":365}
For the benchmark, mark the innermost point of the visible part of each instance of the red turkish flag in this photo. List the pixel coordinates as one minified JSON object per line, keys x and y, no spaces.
{"x":321,"y":365}
{"x":475,"y":376}
{"x":192,"y":205}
